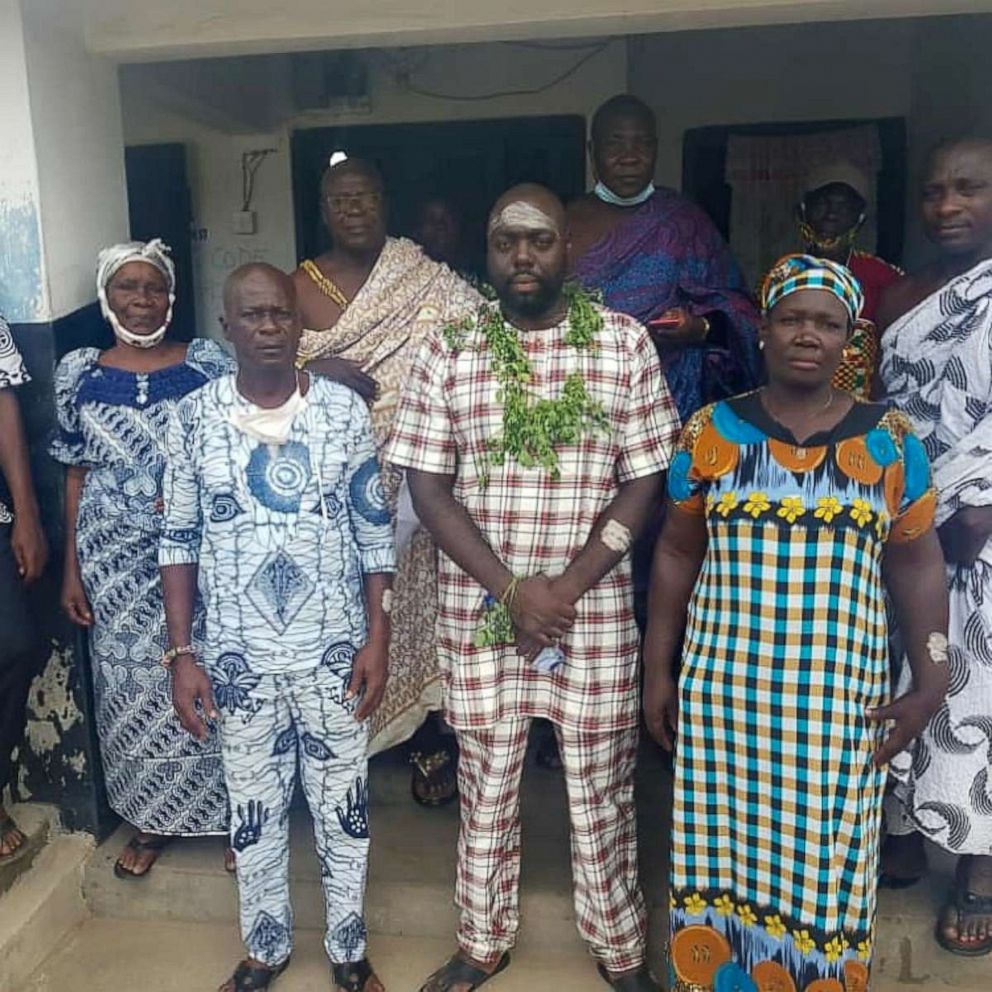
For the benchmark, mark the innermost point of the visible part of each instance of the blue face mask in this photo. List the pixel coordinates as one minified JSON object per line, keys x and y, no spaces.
{"x":604,"y":193}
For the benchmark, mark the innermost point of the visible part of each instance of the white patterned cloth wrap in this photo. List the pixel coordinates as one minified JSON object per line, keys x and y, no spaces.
{"x":937,"y":368}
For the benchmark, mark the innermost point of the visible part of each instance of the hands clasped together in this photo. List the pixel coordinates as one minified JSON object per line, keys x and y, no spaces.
{"x":542,"y":610}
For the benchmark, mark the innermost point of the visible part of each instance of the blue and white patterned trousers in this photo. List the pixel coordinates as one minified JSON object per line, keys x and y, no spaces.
{"x":270,"y":726}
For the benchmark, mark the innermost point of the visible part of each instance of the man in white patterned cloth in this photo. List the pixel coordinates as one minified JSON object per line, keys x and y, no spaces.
{"x":535,"y":435}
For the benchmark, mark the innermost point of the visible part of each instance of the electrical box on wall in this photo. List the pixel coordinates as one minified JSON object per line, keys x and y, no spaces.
{"x":243,"y":222}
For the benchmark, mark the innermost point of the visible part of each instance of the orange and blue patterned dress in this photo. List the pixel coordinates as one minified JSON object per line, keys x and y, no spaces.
{"x":777,"y":801}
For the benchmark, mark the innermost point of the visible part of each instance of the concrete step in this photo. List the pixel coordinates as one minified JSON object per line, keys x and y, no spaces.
{"x":42,"y":906}
{"x":119,"y":955}
{"x":411,"y":876}
{"x":35,"y":821}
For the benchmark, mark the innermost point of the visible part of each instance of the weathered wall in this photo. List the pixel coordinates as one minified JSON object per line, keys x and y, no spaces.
{"x":61,"y":199}
{"x":770,"y":75}
{"x":202,"y":105}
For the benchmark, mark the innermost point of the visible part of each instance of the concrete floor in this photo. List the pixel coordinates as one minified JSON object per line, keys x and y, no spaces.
{"x":176,"y":930}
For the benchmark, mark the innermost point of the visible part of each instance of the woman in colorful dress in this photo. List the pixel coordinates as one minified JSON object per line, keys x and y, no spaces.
{"x":113,"y":407}
{"x":792,"y":509}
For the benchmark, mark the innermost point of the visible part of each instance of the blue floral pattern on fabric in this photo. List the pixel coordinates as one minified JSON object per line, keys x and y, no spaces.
{"x":285,"y":741}
{"x":349,"y":937}
{"x":233,"y":682}
{"x":270,"y":938}
{"x":314,"y":747}
{"x":278,"y":476}
{"x":367,"y":495}
{"x":279,"y":589}
{"x":114,"y":423}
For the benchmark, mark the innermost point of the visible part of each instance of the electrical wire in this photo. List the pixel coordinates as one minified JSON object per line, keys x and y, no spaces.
{"x":250,"y":162}
{"x":530,"y":91}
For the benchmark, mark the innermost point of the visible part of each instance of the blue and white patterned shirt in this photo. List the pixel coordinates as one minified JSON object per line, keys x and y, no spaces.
{"x":283,"y":535}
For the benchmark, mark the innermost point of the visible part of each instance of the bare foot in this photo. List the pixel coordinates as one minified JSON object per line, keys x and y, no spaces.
{"x":963,"y":928}
{"x":11,"y":836}
{"x":230,"y":860}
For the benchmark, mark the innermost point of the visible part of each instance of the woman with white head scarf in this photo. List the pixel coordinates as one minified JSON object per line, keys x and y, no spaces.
{"x":113,"y":407}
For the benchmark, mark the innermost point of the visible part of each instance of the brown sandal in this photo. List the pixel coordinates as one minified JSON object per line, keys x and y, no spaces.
{"x":457,"y":971}
{"x":156,"y":844}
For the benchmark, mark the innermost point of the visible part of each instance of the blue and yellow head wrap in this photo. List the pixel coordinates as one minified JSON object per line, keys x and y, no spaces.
{"x":795,"y":272}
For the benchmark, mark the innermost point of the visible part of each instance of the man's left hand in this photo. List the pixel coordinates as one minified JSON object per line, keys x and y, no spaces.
{"x":27,"y":541}
{"x":965,"y":534}
{"x":368,"y":678}
{"x":688,"y":331}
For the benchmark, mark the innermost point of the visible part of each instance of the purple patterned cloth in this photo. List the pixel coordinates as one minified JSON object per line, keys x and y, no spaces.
{"x":667,"y":253}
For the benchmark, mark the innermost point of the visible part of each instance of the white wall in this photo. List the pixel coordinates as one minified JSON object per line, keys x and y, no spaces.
{"x":22,"y":296}
{"x":78,"y":141}
{"x":168,"y":103}
{"x":770,"y":74}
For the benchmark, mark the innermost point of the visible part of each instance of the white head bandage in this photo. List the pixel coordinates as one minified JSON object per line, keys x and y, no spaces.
{"x":110,"y":260}
{"x":521,"y":215}
{"x":616,"y":536}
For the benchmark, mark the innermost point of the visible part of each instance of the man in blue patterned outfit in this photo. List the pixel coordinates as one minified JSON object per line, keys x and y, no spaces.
{"x":274,"y":508}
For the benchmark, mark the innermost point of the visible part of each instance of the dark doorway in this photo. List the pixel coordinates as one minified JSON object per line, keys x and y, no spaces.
{"x":470,"y":162}
{"x":159,"y":207}
{"x":704,"y":165}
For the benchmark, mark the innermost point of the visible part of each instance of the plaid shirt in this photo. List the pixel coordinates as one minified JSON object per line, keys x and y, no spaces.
{"x":448,"y":413}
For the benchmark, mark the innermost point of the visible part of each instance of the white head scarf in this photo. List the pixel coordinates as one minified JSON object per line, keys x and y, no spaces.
{"x":154,"y":252}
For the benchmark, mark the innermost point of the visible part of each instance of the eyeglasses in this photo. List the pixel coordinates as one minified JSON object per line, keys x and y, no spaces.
{"x":346,"y":203}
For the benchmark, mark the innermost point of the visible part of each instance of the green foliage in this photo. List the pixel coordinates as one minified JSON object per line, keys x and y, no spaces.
{"x":533,"y":428}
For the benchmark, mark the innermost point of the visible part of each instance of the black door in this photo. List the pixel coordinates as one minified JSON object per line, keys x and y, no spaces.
{"x":471,"y":162}
{"x":159,"y":207}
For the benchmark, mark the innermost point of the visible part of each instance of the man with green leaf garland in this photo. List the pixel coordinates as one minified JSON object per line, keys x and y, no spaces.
{"x":535,"y":436}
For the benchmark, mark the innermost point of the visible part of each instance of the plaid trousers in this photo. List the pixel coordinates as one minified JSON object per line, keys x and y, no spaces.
{"x":599,"y":769}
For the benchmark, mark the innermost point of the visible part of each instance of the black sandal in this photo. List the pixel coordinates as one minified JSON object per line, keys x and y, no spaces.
{"x":964,"y":903}
{"x":426,"y":771}
{"x":352,"y":976}
{"x":157,"y":844}
{"x":456,"y":971}
{"x":7,"y":828}
{"x":639,"y":981}
{"x":250,"y":977}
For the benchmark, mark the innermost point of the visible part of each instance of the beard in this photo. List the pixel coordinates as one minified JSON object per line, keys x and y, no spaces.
{"x":532,"y":304}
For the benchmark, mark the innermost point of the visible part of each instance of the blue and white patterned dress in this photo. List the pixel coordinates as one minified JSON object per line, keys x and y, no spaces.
{"x":113,"y":423}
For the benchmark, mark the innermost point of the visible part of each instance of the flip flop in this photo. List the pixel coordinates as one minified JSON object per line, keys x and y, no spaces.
{"x":639,"y":981}
{"x":249,"y":977}
{"x":157,"y":844}
{"x":352,"y":976}
{"x":964,"y":903}
{"x":456,"y":971}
